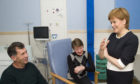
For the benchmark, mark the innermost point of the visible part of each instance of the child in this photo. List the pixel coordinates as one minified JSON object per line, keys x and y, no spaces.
{"x":77,"y":63}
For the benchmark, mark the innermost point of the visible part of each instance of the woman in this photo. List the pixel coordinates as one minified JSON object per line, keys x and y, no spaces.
{"x":120,"y":49}
{"x":77,"y":63}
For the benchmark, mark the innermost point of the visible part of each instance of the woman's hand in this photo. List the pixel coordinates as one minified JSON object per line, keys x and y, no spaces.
{"x":103,"y":46}
{"x":105,"y":49}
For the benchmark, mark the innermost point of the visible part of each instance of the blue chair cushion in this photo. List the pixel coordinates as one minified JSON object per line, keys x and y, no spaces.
{"x":58,"y":51}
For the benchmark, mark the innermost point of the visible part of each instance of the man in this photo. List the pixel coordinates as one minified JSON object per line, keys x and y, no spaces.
{"x":21,"y":71}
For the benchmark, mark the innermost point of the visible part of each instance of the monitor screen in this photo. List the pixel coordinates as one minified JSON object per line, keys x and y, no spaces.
{"x":41,"y":33}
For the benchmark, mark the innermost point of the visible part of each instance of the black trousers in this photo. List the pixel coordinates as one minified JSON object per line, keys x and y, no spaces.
{"x":114,"y":77}
{"x":84,"y":80}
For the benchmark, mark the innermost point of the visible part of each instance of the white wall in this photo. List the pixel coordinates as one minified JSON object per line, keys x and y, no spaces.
{"x":7,"y":39}
{"x":137,"y":66}
{"x":53,"y":15}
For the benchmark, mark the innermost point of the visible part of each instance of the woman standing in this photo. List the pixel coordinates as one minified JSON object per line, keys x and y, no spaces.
{"x":120,"y":49}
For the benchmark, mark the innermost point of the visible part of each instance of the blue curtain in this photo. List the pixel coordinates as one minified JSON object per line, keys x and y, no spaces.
{"x":90,"y":30}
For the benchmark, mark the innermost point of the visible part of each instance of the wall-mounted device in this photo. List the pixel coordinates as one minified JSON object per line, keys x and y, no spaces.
{"x":41,"y":32}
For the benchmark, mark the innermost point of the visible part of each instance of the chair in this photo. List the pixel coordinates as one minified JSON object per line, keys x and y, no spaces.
{"x":101,"y":67}
{"x":58,"y":51}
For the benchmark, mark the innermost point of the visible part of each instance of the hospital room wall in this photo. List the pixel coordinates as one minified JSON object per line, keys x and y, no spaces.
{"x":76,"y":24}
{"x":16,"y":22}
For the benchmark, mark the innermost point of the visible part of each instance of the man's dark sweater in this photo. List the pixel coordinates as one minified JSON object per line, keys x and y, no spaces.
{"x":28,"y":75}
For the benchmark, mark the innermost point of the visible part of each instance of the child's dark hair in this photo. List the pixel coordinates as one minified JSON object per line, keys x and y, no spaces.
{"x":77,"y":43}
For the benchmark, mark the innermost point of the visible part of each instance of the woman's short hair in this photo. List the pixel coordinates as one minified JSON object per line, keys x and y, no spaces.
{"x":77,"y":43}
{"x":120,"y":13}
